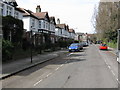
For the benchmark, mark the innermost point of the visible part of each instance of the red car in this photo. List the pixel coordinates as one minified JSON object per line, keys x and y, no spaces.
{"x":103,"y":47}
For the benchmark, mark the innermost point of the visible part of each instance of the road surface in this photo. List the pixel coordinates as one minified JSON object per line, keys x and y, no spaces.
{"x":89,"y":68}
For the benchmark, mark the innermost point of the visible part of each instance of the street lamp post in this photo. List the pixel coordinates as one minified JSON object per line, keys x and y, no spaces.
{"x":31,"y":43}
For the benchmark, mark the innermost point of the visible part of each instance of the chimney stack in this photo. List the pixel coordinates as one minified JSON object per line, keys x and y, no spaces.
{"x":58,"y":21}
{"x":38,"y":9}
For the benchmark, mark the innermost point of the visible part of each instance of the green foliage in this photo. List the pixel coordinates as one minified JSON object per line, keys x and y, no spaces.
{"x":40,"y":48}
{"x":15,"y":26}
{"x":7,"y":50}
{"x":111,"y":35}
{"x":76,"y":41}
{"x":25,"y":44}
{"x":64,"y":43}
{"x":47,"y":45}
{"x":0,"y":43}
{"x":21,"y":54}
{"x":54,"y":46}
{"x":112,"y":44}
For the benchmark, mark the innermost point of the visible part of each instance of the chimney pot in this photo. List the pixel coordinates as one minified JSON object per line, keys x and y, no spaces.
{"x":38,"y":9}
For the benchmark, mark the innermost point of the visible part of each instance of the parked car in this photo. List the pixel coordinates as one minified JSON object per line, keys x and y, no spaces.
{"x":81,"y":45}
{"x":103,"y":47}
{"x":75,"y":47}
{"x":85,"y":44}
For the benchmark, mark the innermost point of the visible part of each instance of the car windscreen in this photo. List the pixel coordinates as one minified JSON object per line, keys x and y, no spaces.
{"x":104,"y":45}
{"x":72,"y":45}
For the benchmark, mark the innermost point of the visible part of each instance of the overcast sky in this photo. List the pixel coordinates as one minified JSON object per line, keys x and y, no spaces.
{"x":76,"y":13}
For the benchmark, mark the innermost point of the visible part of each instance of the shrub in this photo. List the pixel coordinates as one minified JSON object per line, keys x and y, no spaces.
{"x":7,"y":50}
{"x":54,"y":46}
{"x":40,"y":47}
{"x":64,"y":44}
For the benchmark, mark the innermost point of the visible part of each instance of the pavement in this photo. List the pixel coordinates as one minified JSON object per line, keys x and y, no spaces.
{"x":113,"y":50}
{"x":9,"y":69}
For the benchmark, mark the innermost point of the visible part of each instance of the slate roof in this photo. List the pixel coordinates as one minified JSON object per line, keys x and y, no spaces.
{"x":41,"y":15}
{"x":28,"y":13}
{"x":72,"y":30}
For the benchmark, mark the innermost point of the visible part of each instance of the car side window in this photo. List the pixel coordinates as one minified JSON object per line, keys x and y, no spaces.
{"x":104,"y":45}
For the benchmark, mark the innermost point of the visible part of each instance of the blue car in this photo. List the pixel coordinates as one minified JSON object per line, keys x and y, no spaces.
{"x":75,"y":47}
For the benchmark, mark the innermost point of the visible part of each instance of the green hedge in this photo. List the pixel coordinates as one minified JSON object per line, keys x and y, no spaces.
{"x":112,"y":44}
{"x":7,"y":50}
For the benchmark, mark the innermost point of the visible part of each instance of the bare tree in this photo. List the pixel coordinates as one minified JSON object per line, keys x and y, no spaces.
{"x":105,"y":20}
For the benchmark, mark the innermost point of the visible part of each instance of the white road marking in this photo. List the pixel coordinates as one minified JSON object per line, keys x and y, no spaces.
{"x":37,"y":82}
{"x":110,"y":68}
{"x":61,"y":65}
{"x":49,"y":74}
{"x":118,"y":81}
{"x":107,"y":64}
{"x":113,"y":72}
{"x":69,"y":54}
{"x":42,"y":79}
{"x":57,"y":68}
{"x":113,"y":53}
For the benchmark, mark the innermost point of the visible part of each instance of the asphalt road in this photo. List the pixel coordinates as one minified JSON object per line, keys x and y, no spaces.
{"x":89,"y":68}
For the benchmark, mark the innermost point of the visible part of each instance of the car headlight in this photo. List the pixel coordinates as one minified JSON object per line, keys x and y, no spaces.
{"x":69,"y":48}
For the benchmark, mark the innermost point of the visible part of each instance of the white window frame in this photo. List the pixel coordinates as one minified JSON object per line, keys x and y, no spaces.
{"x":40,"y":23}
{"x":44,"y":24}
{"x":9,"y":10}
{"x":33,"y":22}
{"x":16,"y":14}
